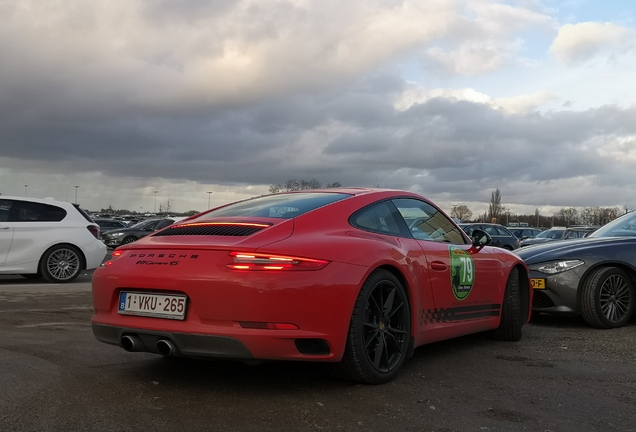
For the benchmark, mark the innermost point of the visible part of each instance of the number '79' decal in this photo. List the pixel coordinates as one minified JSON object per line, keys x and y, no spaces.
{"x":462,"y":272}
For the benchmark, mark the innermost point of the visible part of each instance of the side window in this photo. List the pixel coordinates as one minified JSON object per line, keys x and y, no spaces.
{"x":503,"y":232}
{"x":163,"y":224}
{"x":24,"y":211}
{"x":379,"y":218}
{"x":426,"y":222}
{"x":491,"y":230}
{"x":151,"y":226}
{"x":5,"y":206}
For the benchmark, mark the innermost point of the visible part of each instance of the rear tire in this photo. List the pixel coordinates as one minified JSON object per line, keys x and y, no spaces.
{"x":379,"y":339}
{"x":512,"y":318}
{"x":607,"y":298}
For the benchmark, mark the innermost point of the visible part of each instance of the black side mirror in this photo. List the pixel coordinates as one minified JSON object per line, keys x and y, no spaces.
{"x":480,"y":238}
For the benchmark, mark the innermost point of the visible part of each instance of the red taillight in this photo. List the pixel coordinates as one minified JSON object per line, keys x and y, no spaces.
{"x":116,"y":253}
{"x":94,"y":229}
{"x":248,"y":261}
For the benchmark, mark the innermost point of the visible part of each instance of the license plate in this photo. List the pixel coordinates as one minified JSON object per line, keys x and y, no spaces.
{"x":169,"y":306}
{"x":537,"y":283}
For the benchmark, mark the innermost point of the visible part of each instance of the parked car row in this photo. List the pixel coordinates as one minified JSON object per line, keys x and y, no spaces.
{"x":525,"y":232}
{"x":124,"y":235}
{"x":559,"y":233}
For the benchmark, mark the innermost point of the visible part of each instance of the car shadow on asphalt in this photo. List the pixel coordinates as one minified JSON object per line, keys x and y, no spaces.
{"x":201,"y":373}
{"x":565,"y":321}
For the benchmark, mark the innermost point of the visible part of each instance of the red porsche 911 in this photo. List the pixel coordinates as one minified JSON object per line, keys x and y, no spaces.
{"x":354,"y":277}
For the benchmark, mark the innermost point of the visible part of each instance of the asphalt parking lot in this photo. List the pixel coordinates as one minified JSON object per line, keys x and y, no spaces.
{"x":562,"y":376}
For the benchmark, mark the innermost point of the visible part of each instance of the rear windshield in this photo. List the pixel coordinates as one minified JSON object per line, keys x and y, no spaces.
{"x":284,"y":206}
{"x":83,"y":213}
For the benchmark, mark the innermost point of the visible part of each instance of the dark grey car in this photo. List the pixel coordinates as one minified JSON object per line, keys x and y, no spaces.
{"x":120,"y":236}
{"x":594,"y":276}
{"x":109,"y":224}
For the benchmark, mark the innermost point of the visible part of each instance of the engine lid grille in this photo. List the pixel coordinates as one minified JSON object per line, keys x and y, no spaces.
{"x":231,"y":229}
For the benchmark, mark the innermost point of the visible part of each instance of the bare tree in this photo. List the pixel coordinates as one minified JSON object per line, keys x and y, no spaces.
{"x":461,"y":212}
{"x":166,"y":206}
{"x":569,"y":215}
{"x":292,"y":185}
{"x":310,"y":184}
{"x":302,"y":184}
{"x":495,"y":210}
{"x":598,"y":215}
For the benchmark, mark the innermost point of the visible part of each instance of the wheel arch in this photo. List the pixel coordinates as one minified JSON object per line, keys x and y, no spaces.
{"x":79,"y":249}
{"x":628,"y":269}
{"x":400,"y":276}
{"x":410,"y":294}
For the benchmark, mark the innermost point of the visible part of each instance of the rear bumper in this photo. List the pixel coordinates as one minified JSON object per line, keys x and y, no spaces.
{"x":94,"y":253}
{"x":232,"y":314}
{"x":188,"y":345}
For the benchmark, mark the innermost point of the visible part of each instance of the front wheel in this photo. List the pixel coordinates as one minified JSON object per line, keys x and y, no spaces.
{"x":128,"y":240}
{"x":61,"y":263}
{"x":379,"y":335}
{"x":607,"y":298}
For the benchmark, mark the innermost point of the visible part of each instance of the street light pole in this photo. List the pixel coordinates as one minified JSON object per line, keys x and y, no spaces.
{"x":155,"y":207}
{"x":209,"y":193}
{"x":76,"y":187}
{"x":25,"y":189}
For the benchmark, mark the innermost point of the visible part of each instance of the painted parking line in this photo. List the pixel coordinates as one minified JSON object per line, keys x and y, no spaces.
{"x":71,"y":308}
{"x":52,"y":324}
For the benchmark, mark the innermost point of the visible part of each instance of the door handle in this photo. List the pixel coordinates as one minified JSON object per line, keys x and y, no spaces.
{"x":439,"y":266}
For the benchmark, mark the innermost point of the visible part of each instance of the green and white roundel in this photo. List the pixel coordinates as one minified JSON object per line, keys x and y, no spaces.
{"x":462,"y":272}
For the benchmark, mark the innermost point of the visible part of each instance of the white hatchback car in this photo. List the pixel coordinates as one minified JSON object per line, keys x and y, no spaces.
{"x":45,"y":238}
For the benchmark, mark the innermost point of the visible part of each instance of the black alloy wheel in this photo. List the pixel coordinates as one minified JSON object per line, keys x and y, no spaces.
{"x":608,"y":298}
{"x":379,"y":336}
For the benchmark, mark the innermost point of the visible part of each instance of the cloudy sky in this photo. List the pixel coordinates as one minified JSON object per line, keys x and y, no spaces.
{"x":448,"y":98}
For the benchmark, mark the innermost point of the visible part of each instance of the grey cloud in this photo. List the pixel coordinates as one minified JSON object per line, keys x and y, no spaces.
{"x":450,"y":140}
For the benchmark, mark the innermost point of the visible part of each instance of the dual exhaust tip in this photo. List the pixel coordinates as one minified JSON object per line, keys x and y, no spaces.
{"x":165,"y":347}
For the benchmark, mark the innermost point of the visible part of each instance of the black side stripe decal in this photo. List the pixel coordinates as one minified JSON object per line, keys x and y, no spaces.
{"x":459,"y":313}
